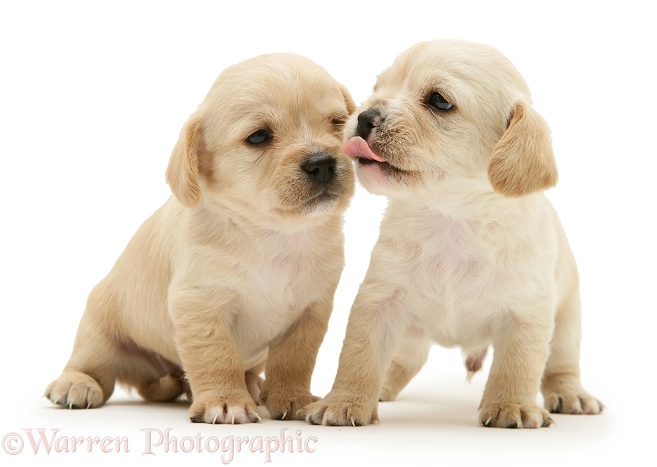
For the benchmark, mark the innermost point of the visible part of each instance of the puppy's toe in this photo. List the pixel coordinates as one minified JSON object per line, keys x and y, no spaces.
{"x":75,"y":390}
{"x":287,"y":406}
{"x":217,"y":409}
{"x":590,"y":405}
{"x":509,"y":415}
{"x":341,"y":411}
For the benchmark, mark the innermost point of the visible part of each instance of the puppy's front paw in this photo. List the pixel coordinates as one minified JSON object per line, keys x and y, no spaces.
{"x":75,"y":390}
{"x":341,"y":410}
{"x":509,"y":415}
{"x":218,"y":408}
{"x":283,"y":406}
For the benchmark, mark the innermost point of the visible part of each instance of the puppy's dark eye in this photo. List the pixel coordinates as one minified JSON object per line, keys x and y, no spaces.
{"x":259,"y":137}
{"x":438,"y":102}
{"x":338,"y":121}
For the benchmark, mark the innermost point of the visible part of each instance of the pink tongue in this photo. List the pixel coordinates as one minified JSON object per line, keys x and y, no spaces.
{"x":357,"y":147}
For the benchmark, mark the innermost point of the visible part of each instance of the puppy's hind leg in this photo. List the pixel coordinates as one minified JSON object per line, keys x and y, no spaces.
{"x":409,"y":356}
{"x":165,"y":389}
{"x":89,"y":376}
{"x":561,"y":387}
{"x":156,"y":378}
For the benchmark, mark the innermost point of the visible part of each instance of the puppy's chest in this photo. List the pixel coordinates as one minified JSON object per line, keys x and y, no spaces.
{"x":282,"y":283}
{"x":454,"y":267}
{"x":283,"y":279}
{"x":270,"y":285}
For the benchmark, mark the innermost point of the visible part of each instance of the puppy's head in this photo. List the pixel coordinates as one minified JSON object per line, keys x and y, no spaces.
{"x":267,"y":140}
{"x":448,"y":115}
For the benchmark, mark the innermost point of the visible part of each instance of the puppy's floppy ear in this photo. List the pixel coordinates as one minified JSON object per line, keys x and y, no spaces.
{"x":351,"y":105}
{"x":182,"y":173}
{"x":522,"y":161}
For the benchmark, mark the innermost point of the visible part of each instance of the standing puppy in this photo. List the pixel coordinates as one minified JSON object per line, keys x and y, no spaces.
{"x":470,"y":253}
{"x":237,"y":268}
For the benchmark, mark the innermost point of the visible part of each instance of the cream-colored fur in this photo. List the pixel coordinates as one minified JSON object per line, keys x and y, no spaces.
{"x":470,"y":253}
{"x":239,"y":267}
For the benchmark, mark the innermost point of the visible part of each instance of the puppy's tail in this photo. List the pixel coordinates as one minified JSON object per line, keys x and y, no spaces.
{"x":474,"y":362}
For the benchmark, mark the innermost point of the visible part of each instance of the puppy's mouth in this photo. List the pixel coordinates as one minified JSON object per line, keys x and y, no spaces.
{"x":359,"y":148}
{"x":318,"y":203}
{"x":322,"y":197}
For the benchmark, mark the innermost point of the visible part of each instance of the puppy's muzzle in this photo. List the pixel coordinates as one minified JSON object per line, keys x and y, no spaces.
{"x":320,"y":167}
{"x":367,"y":121}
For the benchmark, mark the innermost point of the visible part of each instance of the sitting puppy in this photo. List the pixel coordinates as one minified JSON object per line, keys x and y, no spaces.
{"x":238,"y":268}
{"x":470,"y":253}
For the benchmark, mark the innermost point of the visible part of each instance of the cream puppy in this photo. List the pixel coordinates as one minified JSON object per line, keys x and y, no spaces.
{"x":470,"y":253}
{"x":240,"y":266}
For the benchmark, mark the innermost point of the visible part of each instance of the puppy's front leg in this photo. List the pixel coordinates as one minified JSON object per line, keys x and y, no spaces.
{"x":211,"y":360}
{"x":521,"y":350}
{"x":375,"y":324}
{"x":290,"y":363}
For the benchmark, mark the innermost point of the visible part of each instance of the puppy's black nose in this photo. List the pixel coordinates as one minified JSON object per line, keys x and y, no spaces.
{"x":366,"y":121}
{"x":320,"y":167}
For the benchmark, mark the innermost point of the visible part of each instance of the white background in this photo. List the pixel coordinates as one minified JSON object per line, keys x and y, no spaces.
{"x":93,"y":96}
